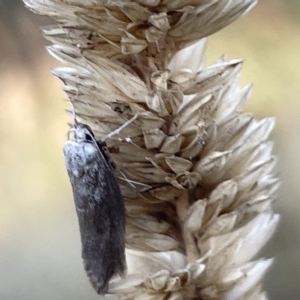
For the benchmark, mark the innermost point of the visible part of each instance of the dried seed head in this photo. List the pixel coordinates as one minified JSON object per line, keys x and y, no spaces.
{"x":199,"y":172}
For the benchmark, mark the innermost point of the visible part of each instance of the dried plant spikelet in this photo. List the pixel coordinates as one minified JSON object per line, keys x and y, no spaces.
{"x":196,"y":173}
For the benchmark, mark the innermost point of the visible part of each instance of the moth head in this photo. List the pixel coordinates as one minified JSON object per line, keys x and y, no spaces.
{"x":81,"y":133}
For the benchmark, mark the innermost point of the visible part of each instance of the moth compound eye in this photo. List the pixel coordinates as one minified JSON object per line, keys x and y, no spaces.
{"x":88,"y":134}
{"x":88,"y":137}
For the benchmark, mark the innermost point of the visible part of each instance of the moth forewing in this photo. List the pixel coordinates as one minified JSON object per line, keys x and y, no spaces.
{"x":99,"y":206}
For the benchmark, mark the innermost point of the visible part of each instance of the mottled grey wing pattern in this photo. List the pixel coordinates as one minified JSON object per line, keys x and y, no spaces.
{"x":99,"y":207}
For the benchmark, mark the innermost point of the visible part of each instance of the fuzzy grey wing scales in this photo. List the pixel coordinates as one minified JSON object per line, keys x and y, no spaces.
{"x":101,"y":215}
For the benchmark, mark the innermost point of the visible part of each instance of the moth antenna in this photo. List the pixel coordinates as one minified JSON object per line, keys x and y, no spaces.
{"x":74,"y":114}
{"x":134,"y":183}
{"x":74,"y":123}
{"x":126,"y":179}
{"x":118,"y":130}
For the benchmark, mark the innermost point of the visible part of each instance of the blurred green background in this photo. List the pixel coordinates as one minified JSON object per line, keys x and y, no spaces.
{"x":39,"y":237}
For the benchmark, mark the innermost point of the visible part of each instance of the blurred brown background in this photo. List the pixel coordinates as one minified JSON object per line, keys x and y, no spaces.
{"x":39,"y":237}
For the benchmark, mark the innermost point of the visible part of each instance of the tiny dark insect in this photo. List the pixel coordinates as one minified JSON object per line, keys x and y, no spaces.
{"x":99,"y":206}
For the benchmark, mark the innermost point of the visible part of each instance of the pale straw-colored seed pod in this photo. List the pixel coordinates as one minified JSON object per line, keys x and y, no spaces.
{"x":195,"y":171}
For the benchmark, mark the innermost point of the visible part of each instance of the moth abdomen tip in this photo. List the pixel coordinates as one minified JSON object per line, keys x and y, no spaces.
{"x":99,"y":283}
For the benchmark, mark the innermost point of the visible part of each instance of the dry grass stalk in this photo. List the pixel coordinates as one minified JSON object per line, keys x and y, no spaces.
{"x":199,"y":207}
